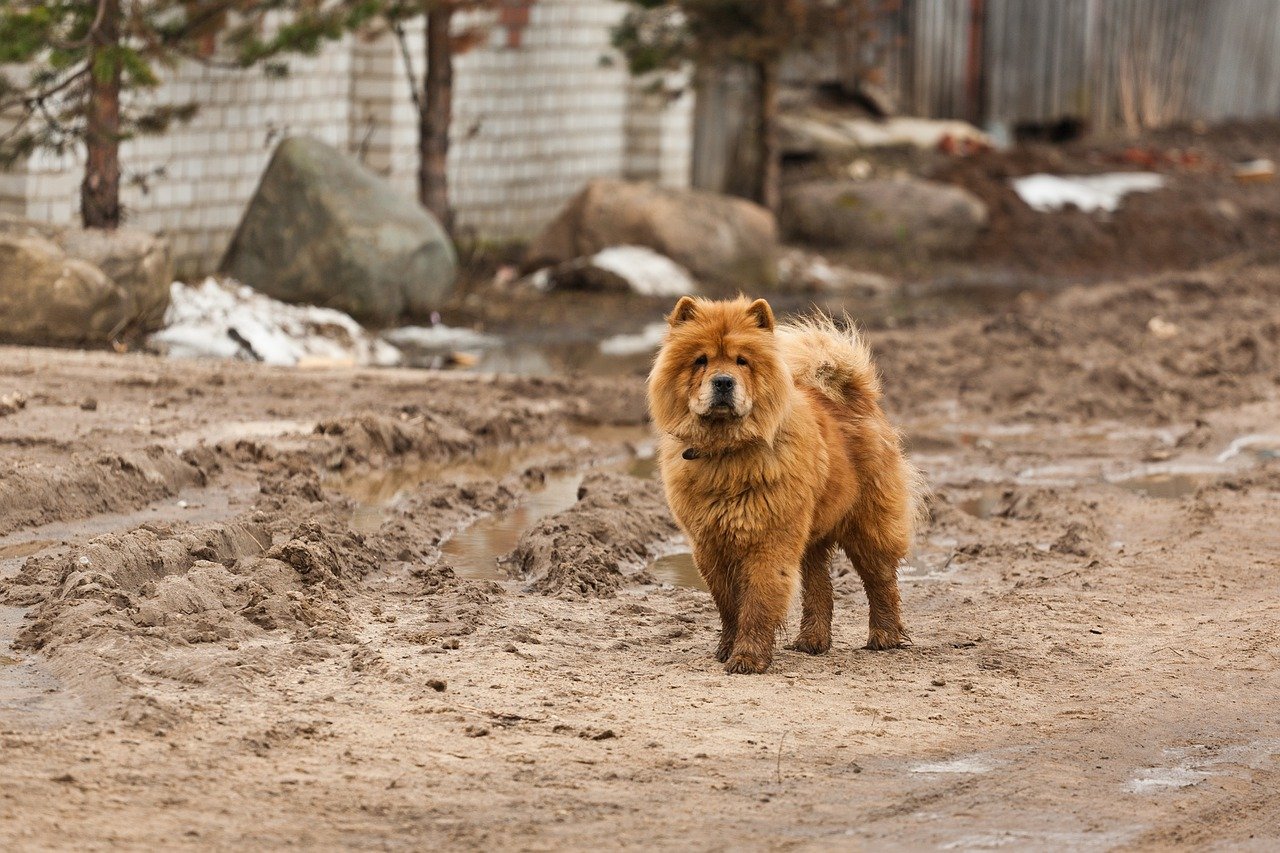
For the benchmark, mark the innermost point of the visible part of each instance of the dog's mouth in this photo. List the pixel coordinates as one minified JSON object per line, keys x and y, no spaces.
{"x":720,"y":411}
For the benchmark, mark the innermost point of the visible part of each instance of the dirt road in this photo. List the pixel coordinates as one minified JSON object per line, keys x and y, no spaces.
{"x":259,"y":608}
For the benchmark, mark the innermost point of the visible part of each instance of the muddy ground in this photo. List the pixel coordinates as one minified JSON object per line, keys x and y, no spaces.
{"x":264,"y":608}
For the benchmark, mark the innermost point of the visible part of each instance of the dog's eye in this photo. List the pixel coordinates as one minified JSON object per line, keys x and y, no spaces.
{"x":742,"y":362}
{"x":700,"y":361}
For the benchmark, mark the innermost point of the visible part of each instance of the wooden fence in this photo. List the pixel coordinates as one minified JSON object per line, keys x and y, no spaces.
{"x":1111,"y":64}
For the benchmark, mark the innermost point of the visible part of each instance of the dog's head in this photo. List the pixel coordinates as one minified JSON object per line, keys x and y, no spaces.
{"x":718,"y":380}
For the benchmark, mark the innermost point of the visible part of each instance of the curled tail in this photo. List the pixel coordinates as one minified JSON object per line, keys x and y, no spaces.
{"x":837,"y":362}
{"x":833,"y":360}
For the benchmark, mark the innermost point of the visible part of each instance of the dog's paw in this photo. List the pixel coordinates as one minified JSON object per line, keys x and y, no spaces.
{"x":722,"y":651}
{"x":745,"y":663}
{"x":880,"y":639}
{"x":811,"y":644}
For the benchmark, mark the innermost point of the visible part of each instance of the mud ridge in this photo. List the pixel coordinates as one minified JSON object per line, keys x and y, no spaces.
{"x":109,"y":483}
{"x":598,"y":544}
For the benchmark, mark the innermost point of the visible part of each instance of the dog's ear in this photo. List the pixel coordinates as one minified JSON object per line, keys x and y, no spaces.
{"x":761,"y":313}
{"x":686,"y":309}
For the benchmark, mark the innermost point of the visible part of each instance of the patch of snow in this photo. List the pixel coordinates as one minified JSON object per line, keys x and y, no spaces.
{"x":805,"y":272}
{"x":1261,"y":443}
{"x":1046,"y":193}
{"x":439,"y":337}
{"x":217,"y":319}
{"x":1161,"y":778}
{"x":648,"y":273}
{"x":540,"y":280}
{"x":911,"y":130}
{"x":646,"y":340}
{"x":1196,"y":763}
{"x":968,"y":764}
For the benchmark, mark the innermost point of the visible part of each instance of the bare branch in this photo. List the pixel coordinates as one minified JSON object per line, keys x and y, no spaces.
{"x":398,"y":28}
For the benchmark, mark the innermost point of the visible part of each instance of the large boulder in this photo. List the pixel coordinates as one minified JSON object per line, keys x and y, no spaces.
{"x":719,"y":239}
{"x":891,"y":213}
{"x":47,"y":297}
{"x":137,"y":261}
{"x":324,"y":230}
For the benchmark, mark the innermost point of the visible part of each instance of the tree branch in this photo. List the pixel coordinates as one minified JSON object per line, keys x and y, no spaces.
{"x":398,"y":29}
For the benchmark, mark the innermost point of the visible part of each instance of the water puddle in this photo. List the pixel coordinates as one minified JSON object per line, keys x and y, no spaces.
{"x":677,"y":570}
{"x":1164,"y":485}
{"x":237,"y":430}
{"x":475,"y":551}
{"x":24,"y":549}
{"x":985,"y":504}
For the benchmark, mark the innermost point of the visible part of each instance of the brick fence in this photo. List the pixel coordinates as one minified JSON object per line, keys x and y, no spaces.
{"x":539,"y":109}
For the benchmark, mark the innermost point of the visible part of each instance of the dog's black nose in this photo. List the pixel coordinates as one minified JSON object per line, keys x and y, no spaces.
{"x":722,"y":383}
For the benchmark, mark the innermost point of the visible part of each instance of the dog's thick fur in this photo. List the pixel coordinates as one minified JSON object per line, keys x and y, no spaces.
{"x":769,"y":478}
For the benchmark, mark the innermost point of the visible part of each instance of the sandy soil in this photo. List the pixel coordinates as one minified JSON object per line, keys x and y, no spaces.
{"x":259,"y":608}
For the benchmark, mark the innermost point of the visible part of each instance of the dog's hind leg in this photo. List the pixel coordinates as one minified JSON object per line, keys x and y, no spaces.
{"x":877,"y":565}
{"x":815,"y":616}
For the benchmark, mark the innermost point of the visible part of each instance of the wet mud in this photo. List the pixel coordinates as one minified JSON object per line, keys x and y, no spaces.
{"x":361,"y":608}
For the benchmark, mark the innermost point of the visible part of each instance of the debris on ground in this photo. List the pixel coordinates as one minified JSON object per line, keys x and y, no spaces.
{"x":226,"y":319}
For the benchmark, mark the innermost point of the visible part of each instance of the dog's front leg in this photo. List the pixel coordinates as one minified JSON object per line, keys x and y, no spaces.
{"x":721,"y":581}
{"x":768,"y":581}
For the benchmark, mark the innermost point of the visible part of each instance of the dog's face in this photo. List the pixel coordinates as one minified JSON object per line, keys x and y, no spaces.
{"x":718,"y":380}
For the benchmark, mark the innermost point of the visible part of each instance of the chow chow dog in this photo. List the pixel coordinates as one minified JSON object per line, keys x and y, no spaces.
{"x":773,"y":452}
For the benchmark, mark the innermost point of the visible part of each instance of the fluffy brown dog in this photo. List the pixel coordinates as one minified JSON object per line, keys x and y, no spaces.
{"x":774,"y":451}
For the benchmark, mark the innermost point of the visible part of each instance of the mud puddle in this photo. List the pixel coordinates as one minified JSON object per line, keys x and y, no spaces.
{"x":677,"y":569}
{"x":476,"y":551}
{"x":611,"y":335}
{"x":376,"y":492}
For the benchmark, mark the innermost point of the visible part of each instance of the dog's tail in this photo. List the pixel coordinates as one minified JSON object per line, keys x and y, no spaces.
{"x":837,"y":362}
{"x":833,"y":360}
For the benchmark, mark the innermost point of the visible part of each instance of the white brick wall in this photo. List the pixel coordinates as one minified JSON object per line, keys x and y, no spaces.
{"x":531,"y":125}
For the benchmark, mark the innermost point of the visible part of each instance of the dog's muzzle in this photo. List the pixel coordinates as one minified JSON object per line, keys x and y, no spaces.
{"x":722,"y":391}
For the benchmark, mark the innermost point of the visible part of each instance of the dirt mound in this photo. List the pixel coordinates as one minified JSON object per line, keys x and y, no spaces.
{"x":109,"y":483}
{"x":599,"y":543}
{"x":1201,"y":215}
{"x":212,"y":583}
{"x":1160,"y":348}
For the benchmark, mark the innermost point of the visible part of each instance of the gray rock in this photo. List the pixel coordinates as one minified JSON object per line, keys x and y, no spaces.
{"x":719,"y":239}
{"x":893,"y":213}
{"x":137,"y":261}
{"x":49,"y":298}
{"x":324,"y":230}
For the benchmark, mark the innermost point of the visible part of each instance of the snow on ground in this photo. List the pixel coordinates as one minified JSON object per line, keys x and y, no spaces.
{"x":440,"y":338}
{"x":1047,"y":193}
{"x":646,"y":340}
{"x":648,"y":273}
{"x":217,"y":319}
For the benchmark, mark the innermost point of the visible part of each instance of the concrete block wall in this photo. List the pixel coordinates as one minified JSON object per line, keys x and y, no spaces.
{"x":536,"y":114}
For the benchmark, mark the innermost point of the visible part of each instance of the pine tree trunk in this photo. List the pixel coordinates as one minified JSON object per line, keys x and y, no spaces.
{"x":770,"y":160}
{"x":436,"y":115}
{"x":100,"y":191}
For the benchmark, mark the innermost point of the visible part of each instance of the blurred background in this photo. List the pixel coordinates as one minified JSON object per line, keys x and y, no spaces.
{"x":527,"y":184}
